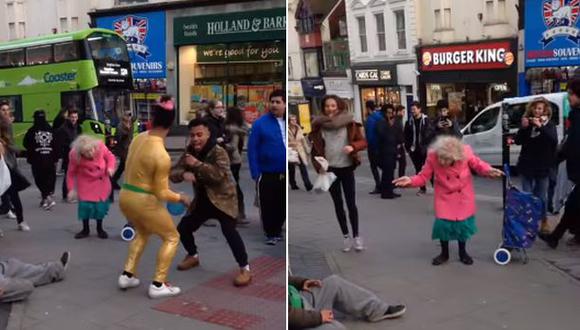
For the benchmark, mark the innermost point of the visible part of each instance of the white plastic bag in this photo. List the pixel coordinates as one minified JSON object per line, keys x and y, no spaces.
{"x":324,"y":179}
{"x":5,"y":180}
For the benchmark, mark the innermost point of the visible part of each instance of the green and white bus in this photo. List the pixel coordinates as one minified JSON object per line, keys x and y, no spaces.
{"x":87,"y":70}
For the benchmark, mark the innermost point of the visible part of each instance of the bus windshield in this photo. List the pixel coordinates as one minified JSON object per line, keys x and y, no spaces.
{"x":111,"y":104}
{"x":108,"y":47}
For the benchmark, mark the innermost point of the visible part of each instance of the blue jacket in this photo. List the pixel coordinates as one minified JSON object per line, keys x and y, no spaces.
{"x":371,"y":129}
{"x":266,"y":150}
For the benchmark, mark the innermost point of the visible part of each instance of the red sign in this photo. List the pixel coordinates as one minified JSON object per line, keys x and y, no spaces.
{"x":483,"y":56}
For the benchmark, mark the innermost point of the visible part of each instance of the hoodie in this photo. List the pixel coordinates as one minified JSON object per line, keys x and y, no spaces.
{"x":39,"y":141}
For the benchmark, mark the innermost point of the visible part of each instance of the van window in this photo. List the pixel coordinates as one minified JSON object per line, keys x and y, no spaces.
{"x":517,"y":111}
{"x":485,"y":122}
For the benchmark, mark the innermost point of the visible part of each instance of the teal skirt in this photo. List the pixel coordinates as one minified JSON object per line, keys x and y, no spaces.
{"x":445,"y":230}
{"x":93,"y":210}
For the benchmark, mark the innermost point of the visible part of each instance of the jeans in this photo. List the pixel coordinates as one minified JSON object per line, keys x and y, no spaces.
{"x":303,"y":173}
{"x":344,"y":180}
{"x":538,"y":186}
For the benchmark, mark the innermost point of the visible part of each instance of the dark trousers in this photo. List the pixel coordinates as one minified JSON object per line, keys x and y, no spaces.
{"x":344,"y":181}
{"x":5,"y":207}
{"x":571,"y":217}
{"x":236,"y":173}
{"x":374,"y":163}
{"x":388,"y":172}
{"x":65,"y":168}
{"x":119,"y":171}
{"x":418,"y":158}
{"x":272,"y":194}
{"x":44,"y":178}
{"x":192,"y":221}
{"x":303,"y":173}
{"x":402,"y":161}
{"x":553,"y":178}
{"x":13,"y":198}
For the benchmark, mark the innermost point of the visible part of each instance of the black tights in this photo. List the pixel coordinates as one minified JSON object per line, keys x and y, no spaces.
{"x":345,"y":180}
{"x":445,"y":248}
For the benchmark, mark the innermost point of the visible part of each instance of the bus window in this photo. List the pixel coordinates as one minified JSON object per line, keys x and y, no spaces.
{"x":111,"y":104}
{"x":39,"y":55}
{"x":66,"y":51}
{"x":4,"y":59}
{"x":14,"y":57}
{"x":485,"y":122}
{"x":108,"y":47}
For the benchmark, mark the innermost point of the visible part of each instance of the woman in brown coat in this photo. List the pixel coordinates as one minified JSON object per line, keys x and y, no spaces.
{"x":338,"y":138}
{"x":297,"y":143}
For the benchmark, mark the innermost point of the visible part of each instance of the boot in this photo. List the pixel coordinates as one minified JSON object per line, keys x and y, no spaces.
{"x":243,"y":278}
{"x":443,"y":256}
{"x":85,"y":231}
{"x":100,"y":232}
{"x":463,"y":256}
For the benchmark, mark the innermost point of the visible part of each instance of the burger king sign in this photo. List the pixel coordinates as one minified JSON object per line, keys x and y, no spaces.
{"x":481,"y":56}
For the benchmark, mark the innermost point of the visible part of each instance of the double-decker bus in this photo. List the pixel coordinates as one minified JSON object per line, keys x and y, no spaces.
{"x":87,"y":70}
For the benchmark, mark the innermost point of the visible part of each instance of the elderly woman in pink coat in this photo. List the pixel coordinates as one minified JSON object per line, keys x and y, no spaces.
{"x":451,"y":162}
{"x":89,"y":168}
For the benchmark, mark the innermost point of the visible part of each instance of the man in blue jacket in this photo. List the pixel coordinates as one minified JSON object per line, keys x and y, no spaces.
{"x":374,"y":116}
{"x":267,"y":158}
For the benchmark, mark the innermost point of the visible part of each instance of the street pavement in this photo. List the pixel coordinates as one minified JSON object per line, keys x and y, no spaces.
{"x":89,"y":298}
{"x":396,"y":265}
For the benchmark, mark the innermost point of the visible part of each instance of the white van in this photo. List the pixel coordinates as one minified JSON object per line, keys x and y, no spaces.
{"x":484,"y":132}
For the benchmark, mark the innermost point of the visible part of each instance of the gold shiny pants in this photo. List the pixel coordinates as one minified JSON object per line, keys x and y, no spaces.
{"x":149,"y":216}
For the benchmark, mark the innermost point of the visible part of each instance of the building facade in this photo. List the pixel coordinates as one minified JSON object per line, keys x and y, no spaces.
{"x":467,"y":54}
{"x":382,"y":35}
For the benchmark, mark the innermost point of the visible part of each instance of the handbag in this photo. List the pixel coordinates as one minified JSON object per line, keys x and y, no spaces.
{"x":293,"y":156}
{"x":5,"y":180}
{"x":19,"y":181}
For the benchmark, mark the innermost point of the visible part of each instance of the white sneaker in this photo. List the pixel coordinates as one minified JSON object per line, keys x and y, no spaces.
{"x":11,"y":215}
{"x":165,"y":290}
{"x":358,"y":244}
{"x":126,"y":282}
{"x":23,"y":226}
{"x":346,"y":244}
{"x":49,"y":203}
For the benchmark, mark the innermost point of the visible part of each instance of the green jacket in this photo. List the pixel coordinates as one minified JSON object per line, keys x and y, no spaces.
{"x":299,"y":318}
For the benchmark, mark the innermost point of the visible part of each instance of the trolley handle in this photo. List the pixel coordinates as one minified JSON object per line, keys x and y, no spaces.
{"x":506,"y":170}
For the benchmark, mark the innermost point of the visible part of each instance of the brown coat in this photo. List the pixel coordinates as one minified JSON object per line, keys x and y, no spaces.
{"x":215,"y":176}
{"x":356,"y":139}
{"x":301,"y":318}
{"x":297,"y":142}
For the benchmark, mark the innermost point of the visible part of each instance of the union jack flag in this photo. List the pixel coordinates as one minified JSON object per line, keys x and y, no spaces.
{"x":552,"y":20}
{"x":133,"y":29}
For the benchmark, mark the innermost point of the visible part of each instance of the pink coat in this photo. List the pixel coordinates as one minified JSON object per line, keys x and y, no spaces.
{"x":90,"y":176}
{"x":454,"y":194}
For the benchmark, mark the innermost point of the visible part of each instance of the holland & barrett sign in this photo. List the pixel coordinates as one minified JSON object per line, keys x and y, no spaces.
{"x":237,"y":27}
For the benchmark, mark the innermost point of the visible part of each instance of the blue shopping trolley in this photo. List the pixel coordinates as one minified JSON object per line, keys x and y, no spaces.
{"x":522,"y":215}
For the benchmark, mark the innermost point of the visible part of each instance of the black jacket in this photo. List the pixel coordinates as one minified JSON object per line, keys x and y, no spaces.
{"x":40,"y":143}
{"x":217,"y":127}
{"x":388,"y":139}
{"x":571,"y":148}
{"x":538,"y":153}
{"x":440,"y":129}
{"x":425,"y":133}
{"x":65,"y":136}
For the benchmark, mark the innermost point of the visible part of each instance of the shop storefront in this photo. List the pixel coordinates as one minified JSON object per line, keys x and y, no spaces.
{"x":143,"y":32}
{"x":238,"y":58}
{"x":375,"y":82}
{"x":468,"y":76}
{"x":552,"y":52}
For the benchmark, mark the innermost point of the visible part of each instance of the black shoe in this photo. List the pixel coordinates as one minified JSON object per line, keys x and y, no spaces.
{"x":309,"y":187}
{"x":466,"y":259}
{"x":391,"y":313}
{"x":294,"y":188}
{"x":439,"y":260}
{"x":549,"y":239}
{"x":102,"y":234}
{"x":375,"y":192}
{"x":65,"y":259}
{"x":82,"y":234}
{"x":391,"y":196}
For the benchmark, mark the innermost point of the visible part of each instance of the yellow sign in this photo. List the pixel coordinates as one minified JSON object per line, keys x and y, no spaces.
{"x":304,"y":117}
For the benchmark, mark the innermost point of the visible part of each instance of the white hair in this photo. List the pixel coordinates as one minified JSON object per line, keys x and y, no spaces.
{"x":83,"y":144}
{"x":448,"y":147}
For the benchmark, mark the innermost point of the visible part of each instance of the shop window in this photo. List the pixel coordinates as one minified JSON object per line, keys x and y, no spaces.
{"x":362,"y":32}
{"x":380,"y":21}
{"x":437,"y":14}
{"x":39,"y":55}
{"x":342,"y":27}
{"x":15,"y":105}
{"x":67,"y":51}
{"x":311,"y":64}
{"x":485,"y":122}
{"x":501,"y":10}
{"x":489,"y":11}
{"x":447,"y":18}
{"x":400,"y":25}
{"x":12,"y":31}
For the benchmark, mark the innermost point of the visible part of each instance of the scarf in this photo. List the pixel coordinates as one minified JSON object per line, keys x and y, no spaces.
{"x":336,"y":122}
